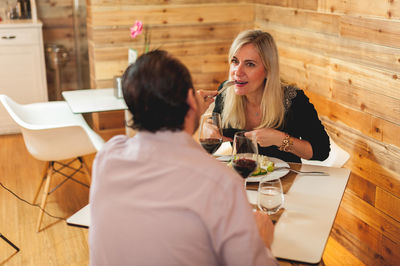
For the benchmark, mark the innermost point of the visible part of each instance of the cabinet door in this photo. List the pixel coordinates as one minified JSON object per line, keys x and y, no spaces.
{"x":20,"y":79}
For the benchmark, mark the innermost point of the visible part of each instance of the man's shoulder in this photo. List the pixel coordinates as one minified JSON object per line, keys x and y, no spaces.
{"x":113,"y":144}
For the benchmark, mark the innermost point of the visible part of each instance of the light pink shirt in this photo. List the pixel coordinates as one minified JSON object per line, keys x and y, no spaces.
{"x":160,"y":199}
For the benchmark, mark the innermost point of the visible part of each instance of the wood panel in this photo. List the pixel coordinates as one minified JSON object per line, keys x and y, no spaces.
{"x":101,"y":3}
{"x":368,"y":214}
{"x":198,"y":33}
{"x":366,"y":101}
{"x":361,"y":187}
{"x":182,"y":36}
{"x":111,"y":36}
{"x":354,"y":51}
{"x":118,"y":15}
{"x":355,"y":73}
{"x":350,"y":71}
{"x":297,"y":18}
{"x":336,"y":254}
{"x":198,"y":56}
{"x":193,"y":48}
{"x":388,"y":203}
{"x":301,"y":4}
{"x":364,"y":243}
{"x":379,"y":129}
{"x":350,"y":84}
{"x":383,"y":9}
{"x":374,"y":161}
{"x":384,"y":32}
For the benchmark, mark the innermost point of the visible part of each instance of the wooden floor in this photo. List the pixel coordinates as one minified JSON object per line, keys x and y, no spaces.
{"x":58,"y":243}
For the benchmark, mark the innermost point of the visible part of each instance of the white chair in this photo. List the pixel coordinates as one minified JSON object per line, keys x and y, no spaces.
{"x":337,"y":157}
{"x":52,"y":133}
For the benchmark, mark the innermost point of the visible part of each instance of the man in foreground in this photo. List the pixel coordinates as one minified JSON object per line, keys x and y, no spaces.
{"x":159,"y":198}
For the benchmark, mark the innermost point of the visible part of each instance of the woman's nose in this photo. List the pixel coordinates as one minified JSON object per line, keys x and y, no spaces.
{"x":239,"y":71}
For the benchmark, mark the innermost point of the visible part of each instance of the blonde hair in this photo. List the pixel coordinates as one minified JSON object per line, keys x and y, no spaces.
{"x":272,"y":106}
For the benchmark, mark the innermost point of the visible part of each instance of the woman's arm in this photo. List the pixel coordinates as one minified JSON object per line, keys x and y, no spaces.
{"x":305,"y":124}
{"x":302,"y":134}
{"x":268,"y":137}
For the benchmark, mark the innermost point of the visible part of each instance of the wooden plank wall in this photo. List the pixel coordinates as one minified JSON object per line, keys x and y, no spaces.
{"x":197,"y":32}
{"x":58,"y":28}
{"x":346,"y":55}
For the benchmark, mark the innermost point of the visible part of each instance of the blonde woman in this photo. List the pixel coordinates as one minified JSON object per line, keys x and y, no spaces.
{"x":280,"y":117}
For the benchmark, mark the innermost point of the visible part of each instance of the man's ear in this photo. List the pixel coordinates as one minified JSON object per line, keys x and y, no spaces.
{"x":191,"y":100}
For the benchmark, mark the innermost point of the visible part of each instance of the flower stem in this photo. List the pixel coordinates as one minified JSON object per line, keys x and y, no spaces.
{"x":147,"y":39}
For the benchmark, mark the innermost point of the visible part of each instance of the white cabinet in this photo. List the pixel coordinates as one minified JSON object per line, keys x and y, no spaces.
{"x":22,"y":66}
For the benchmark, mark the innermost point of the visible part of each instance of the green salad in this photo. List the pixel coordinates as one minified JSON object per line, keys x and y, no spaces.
{"x":264,"y":166}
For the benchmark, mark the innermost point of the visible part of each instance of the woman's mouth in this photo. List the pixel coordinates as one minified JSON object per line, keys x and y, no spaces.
{"x":240,"y":82}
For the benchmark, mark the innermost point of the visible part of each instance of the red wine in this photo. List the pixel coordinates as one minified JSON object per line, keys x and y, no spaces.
{"x":211,"y":145}
{"x":244,"y":166}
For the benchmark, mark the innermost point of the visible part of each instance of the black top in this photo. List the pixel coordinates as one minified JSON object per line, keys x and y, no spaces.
{"x":301,"y":121}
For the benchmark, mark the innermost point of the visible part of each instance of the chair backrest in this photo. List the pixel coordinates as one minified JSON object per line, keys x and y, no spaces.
{"x":51,"y":131}
{"x":337,"y":157}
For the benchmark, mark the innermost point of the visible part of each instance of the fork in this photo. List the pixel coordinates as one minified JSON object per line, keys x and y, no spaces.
{"x":314,"y":173}
{"x":225,"y":86}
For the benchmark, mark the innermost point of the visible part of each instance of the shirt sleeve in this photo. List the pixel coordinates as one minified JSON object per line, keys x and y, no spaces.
{"x":303,"y":122}
{"x":219,"y":101}
{"x":234,"y":231}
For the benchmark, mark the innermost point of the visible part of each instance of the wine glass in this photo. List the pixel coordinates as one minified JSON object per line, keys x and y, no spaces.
{"x":244,"y":154}
{"x":210,"y":134}
{"x":270,"y":196}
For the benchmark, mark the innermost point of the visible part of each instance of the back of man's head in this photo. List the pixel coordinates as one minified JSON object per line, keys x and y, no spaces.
{"x":155,"y":89}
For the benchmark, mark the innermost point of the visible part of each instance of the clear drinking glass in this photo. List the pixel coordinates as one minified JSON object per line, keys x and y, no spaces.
{"x":270,"y":196}
{"x":244,"y":154}
{"x":210,"y":133}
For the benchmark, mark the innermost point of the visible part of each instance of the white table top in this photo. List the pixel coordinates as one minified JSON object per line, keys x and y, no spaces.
{"x":311,"y":204}
{"x":302,"y":231}
{"x":81,"y":218}
{"x":93,"y":100}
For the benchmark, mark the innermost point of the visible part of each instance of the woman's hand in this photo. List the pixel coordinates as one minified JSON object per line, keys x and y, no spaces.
{"x":209,"y":130}
{"x":204,"y":99}
{"x":266,"y":137}
{"x":226,"y":139}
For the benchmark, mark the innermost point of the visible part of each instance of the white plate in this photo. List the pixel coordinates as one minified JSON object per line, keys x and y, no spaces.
{"x":223,"y":158}
{"x":274,"y":174}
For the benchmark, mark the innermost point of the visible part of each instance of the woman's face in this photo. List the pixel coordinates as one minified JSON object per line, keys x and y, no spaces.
{"x":247,"y":70}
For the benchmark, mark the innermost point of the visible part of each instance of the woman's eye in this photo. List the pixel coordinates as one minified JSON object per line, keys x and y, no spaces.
{"x":234,"y":61}
{"x":251,"y":64}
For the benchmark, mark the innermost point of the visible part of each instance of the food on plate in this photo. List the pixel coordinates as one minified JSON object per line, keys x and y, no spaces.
{"x":264,"y":166}
{"x":259,"y":171}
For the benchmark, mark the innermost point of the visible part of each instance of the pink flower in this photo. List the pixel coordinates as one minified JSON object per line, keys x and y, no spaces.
{"x":136,"y":29}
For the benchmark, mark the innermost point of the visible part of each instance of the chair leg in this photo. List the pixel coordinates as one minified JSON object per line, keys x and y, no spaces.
{"x":45,"y":194}
{"x":43,"y":177}
{"x":86,"y":169}
{"x":9,"y":242}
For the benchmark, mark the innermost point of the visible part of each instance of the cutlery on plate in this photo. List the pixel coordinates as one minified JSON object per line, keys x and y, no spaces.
{"x":314,"y":173}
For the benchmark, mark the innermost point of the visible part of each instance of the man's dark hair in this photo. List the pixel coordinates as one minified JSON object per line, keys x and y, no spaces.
{"x":155,"y":90}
